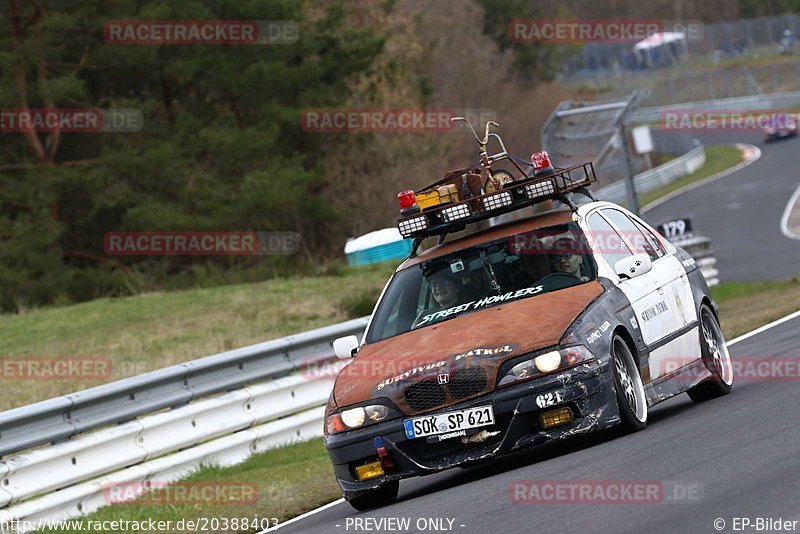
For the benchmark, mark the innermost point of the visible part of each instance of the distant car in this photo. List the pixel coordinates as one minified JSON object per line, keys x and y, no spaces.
{"x":781,"y":130}
{"x":530,"y":349}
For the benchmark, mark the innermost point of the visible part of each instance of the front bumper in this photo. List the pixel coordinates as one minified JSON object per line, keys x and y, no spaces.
{"x":587,"y":389}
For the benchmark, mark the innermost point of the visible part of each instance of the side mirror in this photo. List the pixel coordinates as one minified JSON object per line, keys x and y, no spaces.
{"x":633,"y":266}
{"x":345,"y":347}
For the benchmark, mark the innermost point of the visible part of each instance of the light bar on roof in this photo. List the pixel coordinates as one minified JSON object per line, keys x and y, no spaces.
{"x":539,"y":189}
{"x":499,"y":200}
{"x":454,"y":213}
{"x":411,"y":226}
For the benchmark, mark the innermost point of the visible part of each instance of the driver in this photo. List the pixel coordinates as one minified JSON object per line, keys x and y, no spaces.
{"x":566,"y":257}
{"x":445,"y":289}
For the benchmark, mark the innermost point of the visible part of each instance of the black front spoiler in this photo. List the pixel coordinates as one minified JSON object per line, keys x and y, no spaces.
{"x":587,"y":389}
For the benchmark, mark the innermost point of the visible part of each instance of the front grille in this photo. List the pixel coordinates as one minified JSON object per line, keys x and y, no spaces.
{"x":467,"y":382}
{"x":425,"y":395}
{"x":464,"y":383}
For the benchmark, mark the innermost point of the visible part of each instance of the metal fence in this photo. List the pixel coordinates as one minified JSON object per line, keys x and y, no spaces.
{"x":658,"y":177}
{"x":774,"y":101}
{"x":732,"y":58}
{"x":577,"y":132}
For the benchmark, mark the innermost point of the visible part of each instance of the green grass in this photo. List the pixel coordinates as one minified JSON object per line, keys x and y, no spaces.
{"x":744,"y":306}
{"x":718,"y":158}
{"x":151,"y":331}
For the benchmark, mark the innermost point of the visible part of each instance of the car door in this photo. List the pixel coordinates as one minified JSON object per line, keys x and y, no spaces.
{"x":672,"y":310}
{"x":609,"y":244}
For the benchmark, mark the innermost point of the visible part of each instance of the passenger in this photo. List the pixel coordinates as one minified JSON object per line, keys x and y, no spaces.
{"x":567,"y":258}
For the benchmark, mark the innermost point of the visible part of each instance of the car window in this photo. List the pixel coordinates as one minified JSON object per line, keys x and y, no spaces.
{"x":633,"y":234}
{"x":607,"y":241}
{"x":652,"y":239}
{"x":518,"y":266}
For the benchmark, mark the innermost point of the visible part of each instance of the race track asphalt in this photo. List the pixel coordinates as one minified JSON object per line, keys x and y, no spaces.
{"x":741,"y":213}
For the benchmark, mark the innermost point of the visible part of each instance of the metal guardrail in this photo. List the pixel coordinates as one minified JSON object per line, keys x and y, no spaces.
{"x":774,"y":101}
{"x":656,"y":177}
{"x":117,"y":402}
{"x":223,"y":409}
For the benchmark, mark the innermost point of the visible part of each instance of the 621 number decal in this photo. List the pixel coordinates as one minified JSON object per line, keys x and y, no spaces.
{"x":548,"y":399}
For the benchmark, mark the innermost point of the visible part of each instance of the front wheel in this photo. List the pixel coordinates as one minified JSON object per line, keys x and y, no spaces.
{"x":376,"y":498}
{"x":716,"y":359}
{"x":631,"y":399}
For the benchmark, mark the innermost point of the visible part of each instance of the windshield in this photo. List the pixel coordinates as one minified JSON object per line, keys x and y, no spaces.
{"x":518,"y":266}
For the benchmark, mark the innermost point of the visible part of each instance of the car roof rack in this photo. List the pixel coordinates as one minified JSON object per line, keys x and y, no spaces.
{"x":455,"y":216}
{"x":484,"y":191}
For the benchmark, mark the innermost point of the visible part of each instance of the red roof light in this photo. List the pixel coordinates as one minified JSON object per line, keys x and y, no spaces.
{"x":541,"y":160}
{"x":406,"y":199}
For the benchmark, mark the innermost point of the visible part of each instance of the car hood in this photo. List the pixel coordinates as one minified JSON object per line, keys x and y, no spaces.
{"x":484,"y":339}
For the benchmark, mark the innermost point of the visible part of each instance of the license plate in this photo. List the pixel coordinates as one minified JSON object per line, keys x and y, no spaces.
{"x":429,"y":425}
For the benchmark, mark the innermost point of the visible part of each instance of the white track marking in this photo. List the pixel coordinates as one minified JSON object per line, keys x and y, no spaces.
{"x":751,"y":154}
{"x":299,"y":517}
{"x":787,"y":213}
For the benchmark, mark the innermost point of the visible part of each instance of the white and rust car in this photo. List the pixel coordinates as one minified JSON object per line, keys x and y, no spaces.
{"x":560,"y":323}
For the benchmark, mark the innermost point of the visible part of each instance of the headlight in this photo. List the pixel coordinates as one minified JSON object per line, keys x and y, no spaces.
{"x":546,"y":363}
{"x":356,"y":417}
{"x":353,"y":418}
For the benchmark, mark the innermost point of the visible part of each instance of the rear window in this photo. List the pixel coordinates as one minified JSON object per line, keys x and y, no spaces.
{"x":519,"y":266}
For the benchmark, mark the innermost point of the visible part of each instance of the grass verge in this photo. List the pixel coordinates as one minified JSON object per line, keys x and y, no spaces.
{"x":146,"y":332}
{"x":744,"y":306}
{"x":718,"y":158}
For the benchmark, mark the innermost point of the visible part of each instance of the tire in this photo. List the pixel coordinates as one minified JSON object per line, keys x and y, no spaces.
{"x":716,"y":358}
{"x":631,"y":400}
{"x":376,"y":498}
